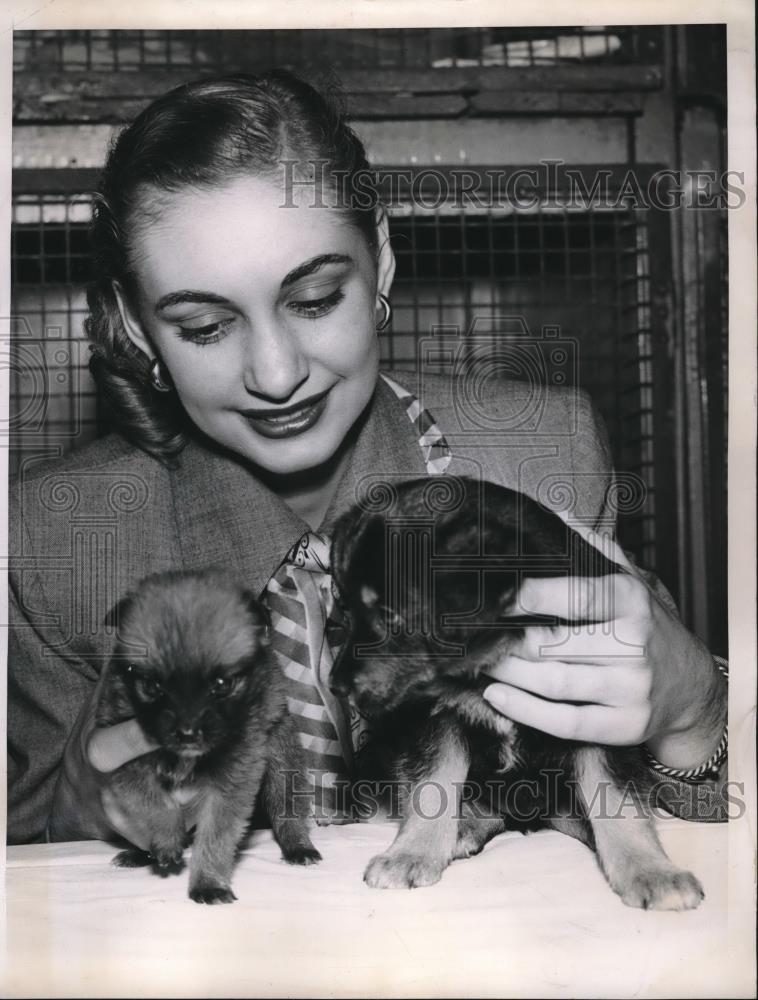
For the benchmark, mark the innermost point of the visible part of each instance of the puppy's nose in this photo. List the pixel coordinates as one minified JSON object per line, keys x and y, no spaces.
{"x":188,"y":734}
{"x":339,"y":686}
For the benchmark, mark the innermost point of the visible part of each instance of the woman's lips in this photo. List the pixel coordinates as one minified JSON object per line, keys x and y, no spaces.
{"x":275,"y":425}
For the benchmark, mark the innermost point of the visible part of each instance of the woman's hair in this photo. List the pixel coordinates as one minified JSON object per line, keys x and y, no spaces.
{"x":200,"y":135}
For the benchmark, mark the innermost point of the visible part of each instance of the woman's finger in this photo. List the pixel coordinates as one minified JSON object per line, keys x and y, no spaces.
{"x":589,"y":723}
{"x":579,"y":598}
{"x":594,"y":643}
{"x":112,"y":746}
{"x":572,"y":682}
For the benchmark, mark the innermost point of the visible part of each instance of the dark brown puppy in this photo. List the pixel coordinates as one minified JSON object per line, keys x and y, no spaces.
{"x":192,"y":665}
{"x":429,"y":585}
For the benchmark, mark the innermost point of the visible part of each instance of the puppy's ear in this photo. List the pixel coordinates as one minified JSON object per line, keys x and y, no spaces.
{"x":118,"y":613}
{"x":358,"y":550}
{"x":343,"y":537}
{"x":259,"y":615}
{"x":114,"y":704}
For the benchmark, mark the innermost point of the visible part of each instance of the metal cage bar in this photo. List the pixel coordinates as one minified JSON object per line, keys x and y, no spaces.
{"x":386,"y":48}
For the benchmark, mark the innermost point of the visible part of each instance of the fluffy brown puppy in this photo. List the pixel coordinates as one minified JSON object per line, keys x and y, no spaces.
{"x":193,"y":667}
{"x":429,"y":585}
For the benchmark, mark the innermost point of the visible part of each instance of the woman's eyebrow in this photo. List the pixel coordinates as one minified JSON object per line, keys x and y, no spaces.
{"x":301,"y":271}
{"x":177,"y":298}
{"x":313,"y":265}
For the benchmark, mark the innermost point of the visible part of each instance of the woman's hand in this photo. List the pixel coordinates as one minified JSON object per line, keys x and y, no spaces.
{"x":636,"y":675}
{"x":82,"y":808}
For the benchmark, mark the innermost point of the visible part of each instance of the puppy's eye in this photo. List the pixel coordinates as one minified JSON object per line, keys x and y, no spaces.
{"x":392,"y":618}
{"x":222,"y":686}
{"x":147,"y":688}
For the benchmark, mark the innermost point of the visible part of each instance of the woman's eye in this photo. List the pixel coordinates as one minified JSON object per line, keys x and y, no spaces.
{"x":313,"y":308}
{"x":210,"y":333}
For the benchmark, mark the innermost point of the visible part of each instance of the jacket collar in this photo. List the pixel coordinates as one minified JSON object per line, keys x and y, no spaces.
{"x":387,"y":450}
{"x":226,"y":517}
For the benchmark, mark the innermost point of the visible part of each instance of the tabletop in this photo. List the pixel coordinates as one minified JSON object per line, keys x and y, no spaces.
{"x":530,"y":916}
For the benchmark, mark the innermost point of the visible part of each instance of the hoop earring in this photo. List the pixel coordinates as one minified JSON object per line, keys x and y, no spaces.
{"x":157,"y":378}
{"x":385,"y":321}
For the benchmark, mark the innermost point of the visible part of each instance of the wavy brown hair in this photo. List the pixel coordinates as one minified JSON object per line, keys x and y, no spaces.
{"x":199,"y":135}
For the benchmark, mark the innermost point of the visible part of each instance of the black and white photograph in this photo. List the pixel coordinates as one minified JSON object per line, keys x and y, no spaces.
{"x":378,"y":449}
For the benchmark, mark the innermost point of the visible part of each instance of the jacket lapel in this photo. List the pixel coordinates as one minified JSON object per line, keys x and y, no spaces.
{"x":225,"y":517}
{"x":387,"y":450}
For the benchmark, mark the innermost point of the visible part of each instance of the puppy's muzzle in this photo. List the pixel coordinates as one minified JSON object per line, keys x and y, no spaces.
{"x":188,"y":740}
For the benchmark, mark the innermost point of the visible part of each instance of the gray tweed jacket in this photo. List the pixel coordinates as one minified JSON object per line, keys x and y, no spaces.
{"x":85,"y":529}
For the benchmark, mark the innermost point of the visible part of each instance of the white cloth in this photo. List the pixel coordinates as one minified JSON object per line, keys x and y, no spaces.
{"x":530,"y":916}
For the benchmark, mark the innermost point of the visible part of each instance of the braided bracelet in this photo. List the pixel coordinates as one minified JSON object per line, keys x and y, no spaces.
{"x":710,"y":769}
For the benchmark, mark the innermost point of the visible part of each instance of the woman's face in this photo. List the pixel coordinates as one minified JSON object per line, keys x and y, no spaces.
{"x":263,"y":315}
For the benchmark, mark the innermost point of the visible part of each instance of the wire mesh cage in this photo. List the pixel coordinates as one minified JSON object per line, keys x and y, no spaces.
{"x":500,"y":276}
{"x":53,"y":404}
{"x":555,"y":295}
{"x":386,"y":48}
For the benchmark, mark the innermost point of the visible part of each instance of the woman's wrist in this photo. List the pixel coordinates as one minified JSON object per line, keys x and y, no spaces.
{"x":703,"y":742}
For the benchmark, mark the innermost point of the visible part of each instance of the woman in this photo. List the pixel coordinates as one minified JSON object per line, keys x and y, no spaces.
{"x":242,"y":275}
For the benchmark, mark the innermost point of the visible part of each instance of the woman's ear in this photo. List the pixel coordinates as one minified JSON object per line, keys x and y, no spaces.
{"x":386,"y":263}
{"x":131,"y":322}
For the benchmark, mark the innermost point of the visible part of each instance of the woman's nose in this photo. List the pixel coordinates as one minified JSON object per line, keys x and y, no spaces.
{"x":274,"y":364}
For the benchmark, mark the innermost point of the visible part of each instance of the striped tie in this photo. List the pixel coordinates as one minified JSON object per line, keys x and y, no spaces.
{"x":299,"y":597}
{"x":303,"y":615}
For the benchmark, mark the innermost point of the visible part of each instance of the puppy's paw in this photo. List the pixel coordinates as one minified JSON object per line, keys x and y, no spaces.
{"x":474,"y":835}
{"x":167,"y":860}
{"x":133,"y":858}
{"x":301,"y":855}
{"x":212,"y":894}
{"x":468,"y":844}
{"x":662,"y":889}
{"x":403,"y":870}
